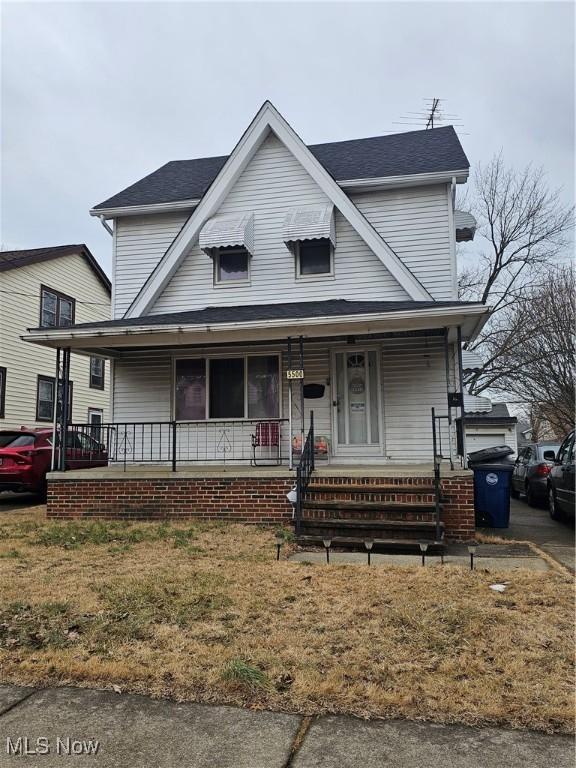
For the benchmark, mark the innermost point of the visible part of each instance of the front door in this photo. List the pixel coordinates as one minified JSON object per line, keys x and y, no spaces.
{"x":356,"y":403}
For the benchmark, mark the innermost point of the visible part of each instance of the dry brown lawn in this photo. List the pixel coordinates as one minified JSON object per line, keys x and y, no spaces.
{"x":205,"y":613}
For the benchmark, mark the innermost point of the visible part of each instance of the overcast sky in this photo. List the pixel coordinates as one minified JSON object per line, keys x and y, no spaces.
{"x":97,"y":95}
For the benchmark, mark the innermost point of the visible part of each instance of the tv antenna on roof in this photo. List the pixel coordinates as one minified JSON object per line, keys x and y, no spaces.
{"x":434,"y":112}
{"x":432,"y":115}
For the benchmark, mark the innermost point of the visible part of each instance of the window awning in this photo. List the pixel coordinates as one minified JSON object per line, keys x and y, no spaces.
{"x":228,"y":231}
{"x":465,"y":225}
{"x":310,"y":222}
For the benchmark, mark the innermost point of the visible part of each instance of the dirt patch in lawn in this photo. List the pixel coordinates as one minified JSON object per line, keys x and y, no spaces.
{"x":204,"y":613}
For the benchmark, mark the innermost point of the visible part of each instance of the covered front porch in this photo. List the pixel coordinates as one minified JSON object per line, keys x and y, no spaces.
{"x":238,"y":414}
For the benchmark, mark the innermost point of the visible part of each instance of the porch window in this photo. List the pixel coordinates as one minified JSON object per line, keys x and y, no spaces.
{"x":45,"y":398}
{"x":56,"y":309}
{"x":242,"y":387}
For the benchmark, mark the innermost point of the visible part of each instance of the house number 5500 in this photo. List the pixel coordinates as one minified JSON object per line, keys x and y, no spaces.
{"x":295,"y":373}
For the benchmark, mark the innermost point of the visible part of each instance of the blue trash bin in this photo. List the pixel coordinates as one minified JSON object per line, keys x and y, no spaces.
{"x":492,"y":494}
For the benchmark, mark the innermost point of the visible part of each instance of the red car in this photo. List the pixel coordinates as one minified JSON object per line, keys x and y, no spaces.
{"x":26,"y":457}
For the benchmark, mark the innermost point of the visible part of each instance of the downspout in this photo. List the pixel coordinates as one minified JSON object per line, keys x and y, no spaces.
{"x":106,"y":226}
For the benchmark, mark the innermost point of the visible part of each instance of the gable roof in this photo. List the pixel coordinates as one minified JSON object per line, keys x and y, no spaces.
{"x":25,"y":257}
{"x":402,"y":154}
{"x":268,"y":120}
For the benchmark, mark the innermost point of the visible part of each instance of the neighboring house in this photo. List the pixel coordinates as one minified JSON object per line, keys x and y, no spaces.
{"x":235,"y":276}
{"x":50,"y":287}
{"x":489,"y":424}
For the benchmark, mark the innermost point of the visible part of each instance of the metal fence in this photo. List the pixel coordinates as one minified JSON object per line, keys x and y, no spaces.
{"x":254,"y":441}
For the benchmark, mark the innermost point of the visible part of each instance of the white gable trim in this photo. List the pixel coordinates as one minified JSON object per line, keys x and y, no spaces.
{"x":269,"y":119}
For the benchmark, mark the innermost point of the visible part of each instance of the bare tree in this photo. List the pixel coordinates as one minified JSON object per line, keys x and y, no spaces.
{"x":539,"y":367}
{"x":525,"y":227}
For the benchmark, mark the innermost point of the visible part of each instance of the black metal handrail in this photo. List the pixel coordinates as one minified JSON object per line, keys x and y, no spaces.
{"x":437,"y":444}
{"x":176,"y":442}
{"x":303,"y":472}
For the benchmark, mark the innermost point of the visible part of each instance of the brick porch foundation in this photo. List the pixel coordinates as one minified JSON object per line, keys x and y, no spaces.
{"x":240,"y":499}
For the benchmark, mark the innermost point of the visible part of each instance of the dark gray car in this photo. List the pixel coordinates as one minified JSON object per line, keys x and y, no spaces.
{"x":531,"y":470}
{"x":562,"y":481}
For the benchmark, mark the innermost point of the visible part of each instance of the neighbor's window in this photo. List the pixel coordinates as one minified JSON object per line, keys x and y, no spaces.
{"x":56,"y":309}
{"x":231,"y":265}
{"x":2,"y":390}
{"x":96,"y":373}
{"x":245,"y":387}
{"x":314,"y":257}
{"x":45,"y":399}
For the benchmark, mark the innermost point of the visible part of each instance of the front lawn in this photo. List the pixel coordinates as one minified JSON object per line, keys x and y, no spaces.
{"x":203,"y":612}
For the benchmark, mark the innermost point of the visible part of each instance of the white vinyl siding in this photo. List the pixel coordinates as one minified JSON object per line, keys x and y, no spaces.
{"x":24,"y":362}
{"x":272,"y":184}
{"x":412,"y":382}
{"x":140,"y":242}
{"x":415,"y":223}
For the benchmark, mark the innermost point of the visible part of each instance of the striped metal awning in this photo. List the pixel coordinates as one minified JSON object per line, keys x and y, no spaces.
{"x":310,"y":222}
{"x":228,"y":232}
{"x":465,"y":226}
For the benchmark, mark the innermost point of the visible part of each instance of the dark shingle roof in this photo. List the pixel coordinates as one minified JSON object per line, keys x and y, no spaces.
{"x":21,"y":258}
{"x":399,"y":154}
{"x":498,"y":415}
{"x":298,"y":310}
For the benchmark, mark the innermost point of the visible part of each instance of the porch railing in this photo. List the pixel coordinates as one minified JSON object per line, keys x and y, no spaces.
{"x":176,"y":443}
{"x":437,"y":450}
{"x":303,"y":472}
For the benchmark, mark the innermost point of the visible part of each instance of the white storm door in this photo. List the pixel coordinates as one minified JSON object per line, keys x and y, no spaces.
{"x":356,"y":404}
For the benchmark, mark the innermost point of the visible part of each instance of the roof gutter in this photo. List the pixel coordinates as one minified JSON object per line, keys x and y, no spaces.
{"x":63,"y":334}
{"x":405,"y":180}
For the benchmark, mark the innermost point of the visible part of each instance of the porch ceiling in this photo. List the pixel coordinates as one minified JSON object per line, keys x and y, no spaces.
{"x":222,"y":325}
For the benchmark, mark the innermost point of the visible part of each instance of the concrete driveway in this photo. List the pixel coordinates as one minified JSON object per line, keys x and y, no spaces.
{"x":535,"y":524}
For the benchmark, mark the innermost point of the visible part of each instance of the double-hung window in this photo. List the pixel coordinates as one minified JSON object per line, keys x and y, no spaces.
{"x":56,"y":309}
{"x":45,"y":399}
{"x":96,"y":373}
{"x":241,"y":387}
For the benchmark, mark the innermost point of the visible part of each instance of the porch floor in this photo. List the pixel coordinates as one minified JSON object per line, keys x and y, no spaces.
{"x":138,"y":471}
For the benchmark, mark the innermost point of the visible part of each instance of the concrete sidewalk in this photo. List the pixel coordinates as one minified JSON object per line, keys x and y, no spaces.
{"x":108,"y":730}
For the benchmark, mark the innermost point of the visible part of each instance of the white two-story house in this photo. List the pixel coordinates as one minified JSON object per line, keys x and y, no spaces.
{"x":254,"y":289}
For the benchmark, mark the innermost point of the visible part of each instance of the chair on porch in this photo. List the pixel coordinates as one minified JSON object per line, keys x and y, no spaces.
{"x":267,"y":435}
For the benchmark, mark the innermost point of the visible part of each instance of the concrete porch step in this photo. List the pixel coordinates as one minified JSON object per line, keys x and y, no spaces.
{"x":424,"y":525}
{"x":371,"y":529}
{"x":350,"y":487}
{"x":386,"y":506}
{"x":380,"y":544}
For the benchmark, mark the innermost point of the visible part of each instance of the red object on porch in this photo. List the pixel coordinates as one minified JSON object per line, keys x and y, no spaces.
{"x":267,"y":434}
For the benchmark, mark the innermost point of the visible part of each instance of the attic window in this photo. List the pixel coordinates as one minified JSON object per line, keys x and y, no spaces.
{"x":231,"y":266}
{"x":314,"y":257}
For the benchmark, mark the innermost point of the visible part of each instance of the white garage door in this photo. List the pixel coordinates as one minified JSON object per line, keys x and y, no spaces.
{"x":479,"y":442}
